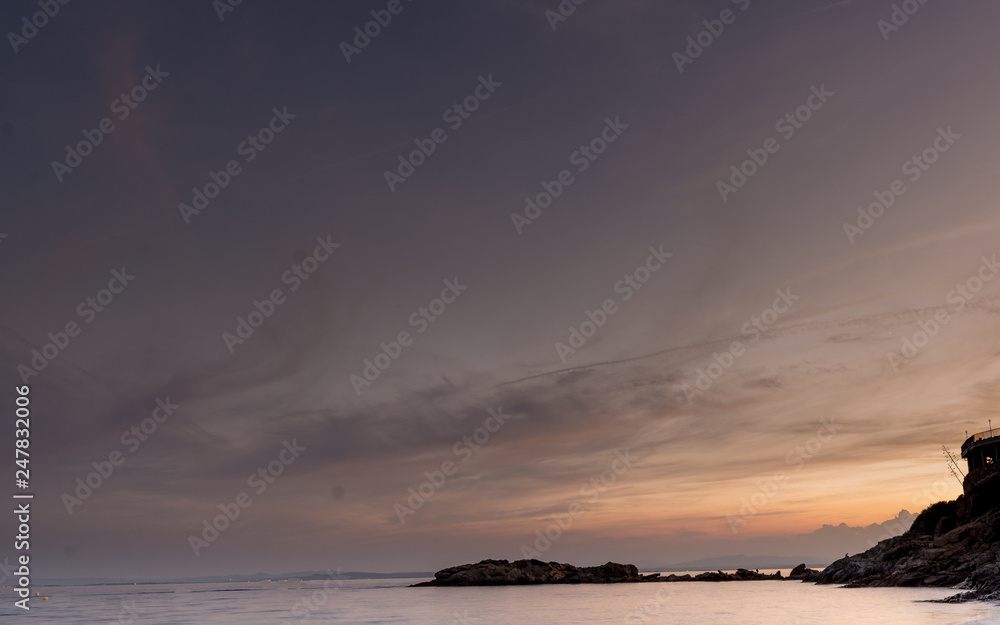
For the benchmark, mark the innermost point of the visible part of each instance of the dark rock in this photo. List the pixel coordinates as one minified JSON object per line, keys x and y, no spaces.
{"x":951,"y":544}
{"x":523,"y":572}
{"x":802,"y":572}
{"x":676,"y":578}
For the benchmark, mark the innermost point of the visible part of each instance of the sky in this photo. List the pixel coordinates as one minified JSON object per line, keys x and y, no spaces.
{"x":491,"y":281}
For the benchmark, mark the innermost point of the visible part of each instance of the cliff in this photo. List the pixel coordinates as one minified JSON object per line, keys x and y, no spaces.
{"x":951,"y":544}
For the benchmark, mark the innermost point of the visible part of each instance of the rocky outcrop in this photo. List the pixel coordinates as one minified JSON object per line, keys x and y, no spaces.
{"x":524,"y":572}
{"x":741,"y":575}
{"x":802,"y":572}
{"x":951,"y":544}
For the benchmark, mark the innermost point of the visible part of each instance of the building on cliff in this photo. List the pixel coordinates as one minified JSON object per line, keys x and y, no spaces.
{"x":982,"y":450}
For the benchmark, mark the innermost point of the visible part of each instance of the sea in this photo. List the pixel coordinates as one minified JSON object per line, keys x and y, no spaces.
{"x":392,"y":601}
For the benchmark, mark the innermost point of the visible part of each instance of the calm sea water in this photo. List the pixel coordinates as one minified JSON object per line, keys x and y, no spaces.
{"x":390,"y":601}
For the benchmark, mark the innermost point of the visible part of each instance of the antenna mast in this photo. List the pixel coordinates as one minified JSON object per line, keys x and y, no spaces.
{"x":953,"y":466}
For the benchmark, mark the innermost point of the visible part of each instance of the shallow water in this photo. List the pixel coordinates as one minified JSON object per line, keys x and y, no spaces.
{"x":373,"y":602}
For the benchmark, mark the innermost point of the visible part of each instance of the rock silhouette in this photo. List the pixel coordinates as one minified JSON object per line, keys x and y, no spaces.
{"x":951,"y":544}
{"x":524,"y":572}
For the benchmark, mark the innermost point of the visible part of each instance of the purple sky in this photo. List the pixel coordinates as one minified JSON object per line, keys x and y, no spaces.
{"x":744,"y":335}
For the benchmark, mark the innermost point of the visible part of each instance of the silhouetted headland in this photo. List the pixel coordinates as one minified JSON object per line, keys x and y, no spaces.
{"x":952,"y":544}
